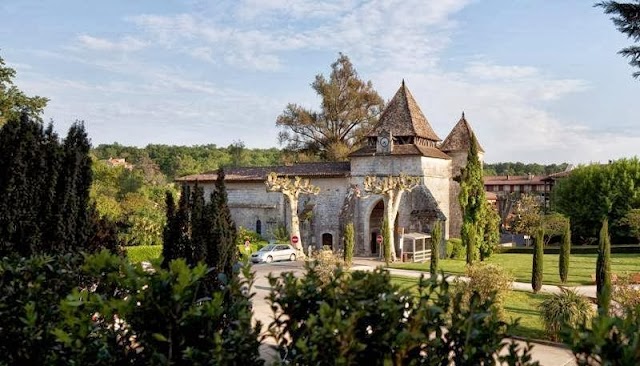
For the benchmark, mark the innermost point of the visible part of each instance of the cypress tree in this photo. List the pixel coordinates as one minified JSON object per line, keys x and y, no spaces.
{"x":565,"y":253}
{"x":170,"y":233}
{"x":472,"y":200}
{"x":225,"y":231}
{"x":197,"y":250}
{"x":436,"y":240}
{"x":603,"y":269}
{"x":538,"y":261}
{"x":349,"y":240}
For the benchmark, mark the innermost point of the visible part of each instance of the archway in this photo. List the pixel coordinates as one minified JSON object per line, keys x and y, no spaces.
{"x":327,"y":241}
{"x":375,"y":226}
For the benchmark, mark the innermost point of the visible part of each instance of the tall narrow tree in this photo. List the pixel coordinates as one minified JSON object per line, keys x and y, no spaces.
{"x":349,"y":241}
{"x":565,"y":253}
{"x":436,"y":240}
{"x":170,"y":234}
{"x":472,"y":201}
{"x":196,"y":252}
{"x":538,"y":261}
{"x":225,"y":231}
{"x":603,"y":269}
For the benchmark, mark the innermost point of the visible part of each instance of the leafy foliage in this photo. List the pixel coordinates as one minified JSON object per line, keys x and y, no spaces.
{"x":362,"y":319}
{"x":565,"y":253}
{"x":592,"y":192}
{"x":509,"y":168}
{"x":455,"y":249}
{"x":349,"y":243}
{"x":606,"y":340}
{"x":626,"y":295}
{"x":627,"y":20}
{"x":386,"y":240}
{"x":603,"y":269}
{"x":491,"y":232}
{"x":13,"y":102}
{"x":631,"y":220}
{"x":538,"y":261}
{"x":348,"y":113}
{"x":566,"y":309}
{"x":489,"y":281}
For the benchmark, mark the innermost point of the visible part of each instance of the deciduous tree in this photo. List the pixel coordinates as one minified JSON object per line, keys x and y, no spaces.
{"x":391,"y":189}
{"x":14,"y":102}
{"x":292,"y":189}
{"x":348,"y":113}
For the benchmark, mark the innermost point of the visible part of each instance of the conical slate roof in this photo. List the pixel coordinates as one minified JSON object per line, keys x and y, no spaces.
{"x":403,"y":117}
{"x":459,"y":137}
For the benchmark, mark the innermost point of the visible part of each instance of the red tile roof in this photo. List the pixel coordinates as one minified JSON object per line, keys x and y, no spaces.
{"x":410,"y":149}
{"x":513,"y":180}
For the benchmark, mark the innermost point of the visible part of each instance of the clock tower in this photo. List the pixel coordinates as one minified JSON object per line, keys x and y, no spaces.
{"x":385,"y":142}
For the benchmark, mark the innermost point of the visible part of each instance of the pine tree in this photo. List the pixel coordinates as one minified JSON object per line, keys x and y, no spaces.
{"x":565,"y":253}
{"x":349,"y":239}
{"x":436,"y":240}
{"x":627,"y":20}
{"x":538,"y":261}
{"x":472,"y":201}
{"x":603,"y":269}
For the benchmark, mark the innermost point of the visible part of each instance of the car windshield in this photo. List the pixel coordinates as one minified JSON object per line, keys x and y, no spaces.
{"x":268,"y":248}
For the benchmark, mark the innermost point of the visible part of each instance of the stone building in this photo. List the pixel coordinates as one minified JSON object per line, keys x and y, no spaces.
{"x":404,"y":143}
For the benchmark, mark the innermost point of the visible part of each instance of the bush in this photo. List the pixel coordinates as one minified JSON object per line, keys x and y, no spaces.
{"x":488,"y":280}
{"x":325,"y":263}
{"x":606,"y":340}
{"x":567,"y":309}
{"x":281,"y":234}
{"x":626,"y":296}
{"x":246,"y":234}
{"x":361,"y":318}
{"x":144,"y":253}
{"x":455,"y":249}
{"x":30,"y":291}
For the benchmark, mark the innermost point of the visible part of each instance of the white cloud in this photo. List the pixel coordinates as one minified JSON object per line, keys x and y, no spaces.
{"x":127,"y":43}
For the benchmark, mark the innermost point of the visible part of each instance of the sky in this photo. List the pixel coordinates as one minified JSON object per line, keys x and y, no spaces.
{"x":538,"y":80}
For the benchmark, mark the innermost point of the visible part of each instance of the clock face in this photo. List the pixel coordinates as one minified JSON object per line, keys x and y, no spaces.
{"x":384,"y":142}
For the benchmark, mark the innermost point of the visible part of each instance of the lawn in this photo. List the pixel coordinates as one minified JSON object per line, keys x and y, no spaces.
{"x":581,"y":266}
{"x":522,"y":305}
{"x":143,"y":253}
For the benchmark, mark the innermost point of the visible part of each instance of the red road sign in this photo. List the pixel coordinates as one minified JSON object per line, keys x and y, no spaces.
{"x":379,"y":239}
{"x":294,"y":240}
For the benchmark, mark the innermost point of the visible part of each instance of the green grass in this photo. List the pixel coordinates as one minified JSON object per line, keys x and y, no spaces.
{"x":518,"y":305}
{"x":581,"y":266}
{"x":142,"y":253}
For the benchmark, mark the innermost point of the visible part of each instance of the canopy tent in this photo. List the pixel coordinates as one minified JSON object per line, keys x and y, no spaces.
{"x":415,"y":247}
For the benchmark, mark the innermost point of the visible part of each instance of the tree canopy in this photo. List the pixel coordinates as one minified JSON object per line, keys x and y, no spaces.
{"x":13,"y":101}
{"x":348,"y":113}
{"x":627,"y":19}
{"x":593,"y":192}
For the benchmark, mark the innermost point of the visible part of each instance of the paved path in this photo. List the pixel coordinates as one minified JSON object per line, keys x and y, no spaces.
{"x":546,"y":354}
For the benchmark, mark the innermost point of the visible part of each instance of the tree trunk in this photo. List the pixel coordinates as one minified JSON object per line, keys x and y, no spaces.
{"x":294,"y":221}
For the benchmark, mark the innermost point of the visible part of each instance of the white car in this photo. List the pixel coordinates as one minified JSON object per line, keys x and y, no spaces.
{"x":274,"y":252}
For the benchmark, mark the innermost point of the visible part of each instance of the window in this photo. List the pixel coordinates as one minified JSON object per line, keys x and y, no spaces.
{"x":259,"y":227}
{"x":327,"y":240}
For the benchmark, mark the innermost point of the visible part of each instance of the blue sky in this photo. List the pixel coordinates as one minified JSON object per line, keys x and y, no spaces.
{"x":540,"y":81}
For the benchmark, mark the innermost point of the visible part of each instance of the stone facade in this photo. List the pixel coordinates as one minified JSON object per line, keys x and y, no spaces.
{"x":410,"y":147}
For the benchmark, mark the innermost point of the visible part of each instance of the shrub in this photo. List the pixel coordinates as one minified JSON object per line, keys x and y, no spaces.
{"x":156,"y":317}
{"x":603,"y":269}
{"x":566,"y":309}
{"x":565,"y":253}
{"x":488,"y":280}
{"x":626,"y":296}
{"x":349,"y":240}
{"x":246,"y":234}
{"x":30,"y":291}
{"x":607,"y":340}
{"x":281,"y":234}
{"x":361,"y":318}
{"x":325,"y":263}
{"x":436,"y":239}
{"x":455,"y":249}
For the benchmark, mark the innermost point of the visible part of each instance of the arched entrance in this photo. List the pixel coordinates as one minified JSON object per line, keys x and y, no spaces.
{"x":327,"y":241}
{"x":375,"y":226}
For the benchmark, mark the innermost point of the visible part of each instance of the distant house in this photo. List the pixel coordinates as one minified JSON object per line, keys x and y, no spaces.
{"x":515,"y":183}
{"x":119,"y":162}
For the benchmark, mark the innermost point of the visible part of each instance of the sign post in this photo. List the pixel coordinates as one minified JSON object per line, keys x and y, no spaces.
{"x":295,"y":240}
